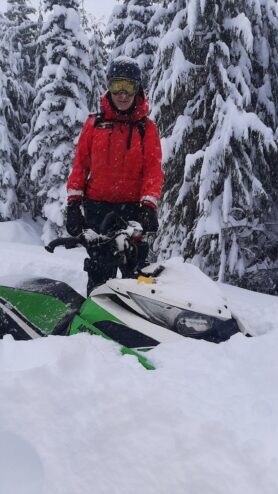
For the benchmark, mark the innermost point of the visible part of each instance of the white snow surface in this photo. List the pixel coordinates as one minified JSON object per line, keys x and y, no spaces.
{"x":78,"y":417}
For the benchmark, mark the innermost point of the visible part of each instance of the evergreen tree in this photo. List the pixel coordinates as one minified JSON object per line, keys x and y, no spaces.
{"x":116,"y":29}
{"x":98,"y":63}
{"x":133,"y":35}
{"x":265,"y":62}
{"x":97,"y":57}
{"x":18,"y":12}
{"x":25,"y":187}
{"x":60,"y":109}
{"x":16,"y":42}
{"x":219,"y":150}
{"x":8,"y":200}
{"x":40,"y":55}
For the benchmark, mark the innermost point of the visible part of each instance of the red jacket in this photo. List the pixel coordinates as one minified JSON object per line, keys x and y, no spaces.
{"x":104,"y":169}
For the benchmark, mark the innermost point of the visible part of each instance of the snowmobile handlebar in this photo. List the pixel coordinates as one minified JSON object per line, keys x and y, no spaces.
{"x":89,"y":238}
{"x":68,"y":243}
{"x":121,"y":235}
{"x":122,"y":240}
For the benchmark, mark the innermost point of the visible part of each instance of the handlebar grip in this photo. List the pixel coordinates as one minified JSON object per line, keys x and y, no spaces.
{"x":68,"y":243}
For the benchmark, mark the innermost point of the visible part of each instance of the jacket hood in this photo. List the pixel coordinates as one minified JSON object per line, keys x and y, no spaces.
{"x":141,"y":109}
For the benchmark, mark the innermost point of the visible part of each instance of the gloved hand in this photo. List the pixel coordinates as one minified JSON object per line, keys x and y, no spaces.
{"x":75,"y":218}
{"x":148,"y":218}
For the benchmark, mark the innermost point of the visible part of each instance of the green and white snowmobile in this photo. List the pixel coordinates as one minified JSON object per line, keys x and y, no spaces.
{"x":162,"y":303}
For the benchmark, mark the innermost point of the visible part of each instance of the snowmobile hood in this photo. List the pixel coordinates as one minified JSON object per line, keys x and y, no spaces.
{"x":180,"y":284}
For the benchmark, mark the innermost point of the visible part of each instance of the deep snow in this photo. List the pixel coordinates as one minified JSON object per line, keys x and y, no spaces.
{"x":77,"y":417}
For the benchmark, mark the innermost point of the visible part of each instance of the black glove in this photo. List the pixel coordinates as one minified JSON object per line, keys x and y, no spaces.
{"x":75,"y":218}
{"x":148,"y":219}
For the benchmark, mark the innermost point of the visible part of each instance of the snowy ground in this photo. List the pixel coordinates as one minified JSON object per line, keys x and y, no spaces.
{"x":77,"y":417}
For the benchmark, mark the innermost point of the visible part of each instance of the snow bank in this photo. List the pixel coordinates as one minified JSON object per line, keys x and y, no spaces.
{"x":24,"y":230}
{"x":89,"y":419}
{"x":78,"y":417}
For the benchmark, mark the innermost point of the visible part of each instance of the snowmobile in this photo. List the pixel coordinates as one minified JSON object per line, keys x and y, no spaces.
{"x":159,"y":303}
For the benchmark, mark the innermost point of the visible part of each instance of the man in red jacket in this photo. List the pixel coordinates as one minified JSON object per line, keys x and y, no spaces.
{"x":117,"y":165}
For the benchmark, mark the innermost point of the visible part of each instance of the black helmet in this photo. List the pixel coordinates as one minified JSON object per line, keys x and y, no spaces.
{"x":124,"y":67}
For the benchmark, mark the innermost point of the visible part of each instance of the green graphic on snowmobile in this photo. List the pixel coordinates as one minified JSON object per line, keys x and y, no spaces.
{"x":27,"y":314}
{"x":79,"y":325}
{"x":42,"y":310}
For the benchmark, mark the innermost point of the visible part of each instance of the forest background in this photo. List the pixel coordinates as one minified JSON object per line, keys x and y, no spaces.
{"x":210,"y":69}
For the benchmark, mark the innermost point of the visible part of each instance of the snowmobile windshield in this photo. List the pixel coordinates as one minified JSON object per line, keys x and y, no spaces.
{"x":182,"y":321}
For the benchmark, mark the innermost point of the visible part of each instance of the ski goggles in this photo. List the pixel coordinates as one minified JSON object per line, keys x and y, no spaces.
{"x":128,"y":86}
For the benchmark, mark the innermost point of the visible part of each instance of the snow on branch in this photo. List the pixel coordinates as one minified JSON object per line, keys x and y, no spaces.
{"x":241,"y":26}
{"x":181,"y":71}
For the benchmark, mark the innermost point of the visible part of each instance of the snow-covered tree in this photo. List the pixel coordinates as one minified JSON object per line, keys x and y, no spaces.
{"x":98,"y":63}
{"x":16,"y":92}
{"x":220,"y":154}
{"x":18,"y":12}
{"x":133,"y":35}
{"x":97,"y":56}
{"x":115,"y":29}
{"x":60,"y":109}
{"x":8,"y":143}
{"x":40,"y":56}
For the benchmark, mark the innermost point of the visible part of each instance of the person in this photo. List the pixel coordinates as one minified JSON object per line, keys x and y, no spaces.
{"x":117,"y":165}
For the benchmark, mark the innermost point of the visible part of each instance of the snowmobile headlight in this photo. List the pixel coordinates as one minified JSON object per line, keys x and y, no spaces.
{"x":182,"y":321}
{"x":190,"y":323}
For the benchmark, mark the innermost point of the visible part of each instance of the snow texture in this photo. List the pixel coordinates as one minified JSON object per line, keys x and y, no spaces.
{"x":76,"y":416}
